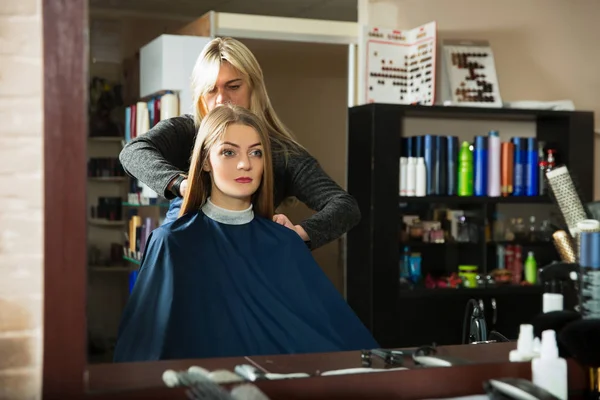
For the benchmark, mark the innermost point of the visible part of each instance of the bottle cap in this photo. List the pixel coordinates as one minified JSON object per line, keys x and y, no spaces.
{"x":420,"y":160}
{"x":525,"y":341}
{"x":549,"y":348}
{"x":552,"y":302}
{"x":530,"y":254}
{"x":493,"y":134}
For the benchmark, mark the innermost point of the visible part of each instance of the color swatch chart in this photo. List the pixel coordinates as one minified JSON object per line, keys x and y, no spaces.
{"x":400,"y":65}
{"x":471,"y":73}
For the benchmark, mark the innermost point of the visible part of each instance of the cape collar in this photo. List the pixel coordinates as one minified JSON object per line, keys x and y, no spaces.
{"x":225,"y":216}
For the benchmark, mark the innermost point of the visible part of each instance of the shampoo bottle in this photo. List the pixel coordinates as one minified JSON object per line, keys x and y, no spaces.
{"x":420,"y":178}
{"x":549,"y":371}
{"x":411,"y":177}
{"x":530,"y":268}
{"x":480,"y":159}
{"x":531,"y":168}
{"x":465,"y":170}
{"x":403,"y":171}
{"x":493,"y":164}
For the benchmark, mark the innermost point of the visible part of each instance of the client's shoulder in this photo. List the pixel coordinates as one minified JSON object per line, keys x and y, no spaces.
{"x":285,"y":235}
{"x":177,"y":227}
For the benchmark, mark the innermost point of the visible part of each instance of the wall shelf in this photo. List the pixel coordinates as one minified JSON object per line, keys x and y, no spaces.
{"x":106,"y":223}
{"x":400,"y":317}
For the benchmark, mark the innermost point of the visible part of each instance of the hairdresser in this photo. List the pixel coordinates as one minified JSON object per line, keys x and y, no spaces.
{"x":227,"y":72}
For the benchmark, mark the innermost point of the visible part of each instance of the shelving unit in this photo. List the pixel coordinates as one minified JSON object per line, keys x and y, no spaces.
{"x":399,"y":317}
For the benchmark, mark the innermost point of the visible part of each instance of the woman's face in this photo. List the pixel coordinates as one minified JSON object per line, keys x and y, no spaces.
{"x":230,"y":87}
{"x":236,"y":167}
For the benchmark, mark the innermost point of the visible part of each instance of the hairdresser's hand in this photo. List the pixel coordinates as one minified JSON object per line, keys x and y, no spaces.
{"x":183,"y":187}
{"x":283,"y":220}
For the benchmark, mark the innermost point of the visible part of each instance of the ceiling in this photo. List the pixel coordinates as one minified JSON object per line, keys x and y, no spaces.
{"x":337,"y":10}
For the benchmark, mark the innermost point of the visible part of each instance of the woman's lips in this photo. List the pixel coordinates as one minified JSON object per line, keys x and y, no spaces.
{"x":243,"y":180}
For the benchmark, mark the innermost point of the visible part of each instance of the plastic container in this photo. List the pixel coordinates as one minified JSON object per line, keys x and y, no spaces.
{"x":549,"y":371}
{"x":493,"y":189}
{"x":468,"y":273}
{"x":465,"y":170}
{"x":531,"y":268}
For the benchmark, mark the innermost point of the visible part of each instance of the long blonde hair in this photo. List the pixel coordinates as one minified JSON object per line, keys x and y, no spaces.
{"x":241,"y":58}
{"x":212,"y":129}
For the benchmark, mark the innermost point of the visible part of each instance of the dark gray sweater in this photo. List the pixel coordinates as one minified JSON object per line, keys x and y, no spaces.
{"x":164,"y":152}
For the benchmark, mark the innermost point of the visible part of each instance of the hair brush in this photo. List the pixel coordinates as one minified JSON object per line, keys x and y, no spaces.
{"x":581,"y":339}
{"x":564,"y":192}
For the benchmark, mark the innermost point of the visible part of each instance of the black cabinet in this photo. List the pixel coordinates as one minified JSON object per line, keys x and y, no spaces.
{"x":414,"y":317}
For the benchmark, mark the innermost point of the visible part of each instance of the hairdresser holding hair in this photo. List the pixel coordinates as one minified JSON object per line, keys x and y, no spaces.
{"x":227,"y":72}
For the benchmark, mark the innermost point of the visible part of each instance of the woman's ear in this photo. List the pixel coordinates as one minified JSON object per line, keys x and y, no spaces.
{"x":206,"y":166}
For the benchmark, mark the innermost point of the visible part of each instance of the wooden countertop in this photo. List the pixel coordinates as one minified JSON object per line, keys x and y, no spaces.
{"x":121,"y":376}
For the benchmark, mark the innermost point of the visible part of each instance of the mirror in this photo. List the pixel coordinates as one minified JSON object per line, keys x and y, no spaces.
{"x":295,"y":80}
{"x":308,"y":86}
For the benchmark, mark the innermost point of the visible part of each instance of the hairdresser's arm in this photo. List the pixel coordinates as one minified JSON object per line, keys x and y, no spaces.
{"x":336,"y":211}
{"x":160,"y":155}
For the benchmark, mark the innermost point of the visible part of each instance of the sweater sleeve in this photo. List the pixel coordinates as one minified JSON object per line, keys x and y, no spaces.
{"x":162,"y":153}
{"x":336,"y":211}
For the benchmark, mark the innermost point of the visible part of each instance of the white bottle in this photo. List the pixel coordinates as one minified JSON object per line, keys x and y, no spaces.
{"x":420,"y":177}
{"x":411,"y":177}
{"x":549,"y":371}
{"x":552,"y":302}
{"x":524,"y":350}
{"x":403,"y":167}
{"x":493,"y":189}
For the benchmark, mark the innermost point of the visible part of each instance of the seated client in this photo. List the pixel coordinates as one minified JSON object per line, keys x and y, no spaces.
{"x":224,"y":280}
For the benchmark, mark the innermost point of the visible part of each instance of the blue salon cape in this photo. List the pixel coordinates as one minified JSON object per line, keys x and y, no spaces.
{"x":207,"y":289}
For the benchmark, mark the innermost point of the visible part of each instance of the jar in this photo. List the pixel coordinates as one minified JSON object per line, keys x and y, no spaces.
{"x":468,"y":273}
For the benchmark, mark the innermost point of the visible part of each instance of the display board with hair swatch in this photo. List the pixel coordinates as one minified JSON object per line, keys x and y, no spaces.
{"x":469,"y":74}
{"x":399,"y":65}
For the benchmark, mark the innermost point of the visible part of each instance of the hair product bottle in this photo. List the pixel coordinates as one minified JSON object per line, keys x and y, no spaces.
{"x":420,"y":177}
{"x":549,"y":371}
{"x":403,"y":171}
{"x":520,"y":156}
{"x":531,"y":168}
{"x":480,"y":160}
{"x":493,"y":164}
{"x":411,"y":176}
{"x":465,"y":170}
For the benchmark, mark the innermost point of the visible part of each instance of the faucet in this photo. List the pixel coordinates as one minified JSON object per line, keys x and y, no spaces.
{"x":474,"y":314}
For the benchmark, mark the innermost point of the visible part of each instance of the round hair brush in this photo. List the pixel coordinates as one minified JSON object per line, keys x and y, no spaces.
{"x":556,"y":321}
{"x":582,"y":340}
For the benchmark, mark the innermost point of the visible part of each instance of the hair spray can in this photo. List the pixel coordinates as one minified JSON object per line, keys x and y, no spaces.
{"x":531,"y":168}
{"x":493,"y":164}
{"x":480,"y":161}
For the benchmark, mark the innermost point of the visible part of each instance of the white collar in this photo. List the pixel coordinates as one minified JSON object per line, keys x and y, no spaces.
{"x":229,"y":217}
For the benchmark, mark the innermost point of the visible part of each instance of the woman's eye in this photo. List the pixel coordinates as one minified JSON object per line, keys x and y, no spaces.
{"x":227,"y":153}
{"x":256,"y":153}
{"x":234,"y":87}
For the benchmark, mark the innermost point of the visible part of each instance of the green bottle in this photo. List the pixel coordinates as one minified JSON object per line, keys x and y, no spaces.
{"x":531,"y":268}
{"x":465,"y":170}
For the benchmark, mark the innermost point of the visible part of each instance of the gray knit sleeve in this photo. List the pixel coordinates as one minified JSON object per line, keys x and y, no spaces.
{"x":162,"y":153}
{"x":336,"y":211}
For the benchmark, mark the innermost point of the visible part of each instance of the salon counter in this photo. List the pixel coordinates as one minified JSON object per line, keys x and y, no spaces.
{"x":131,"y":380}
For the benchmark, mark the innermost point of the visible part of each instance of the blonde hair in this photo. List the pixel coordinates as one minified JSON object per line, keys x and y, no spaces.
{"x":212,"y":129}
{"x":234,"y":52}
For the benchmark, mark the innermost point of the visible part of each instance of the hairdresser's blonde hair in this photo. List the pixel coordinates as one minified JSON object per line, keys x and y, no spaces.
{"x":241,"y":58}
{"x":212,"y":129}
